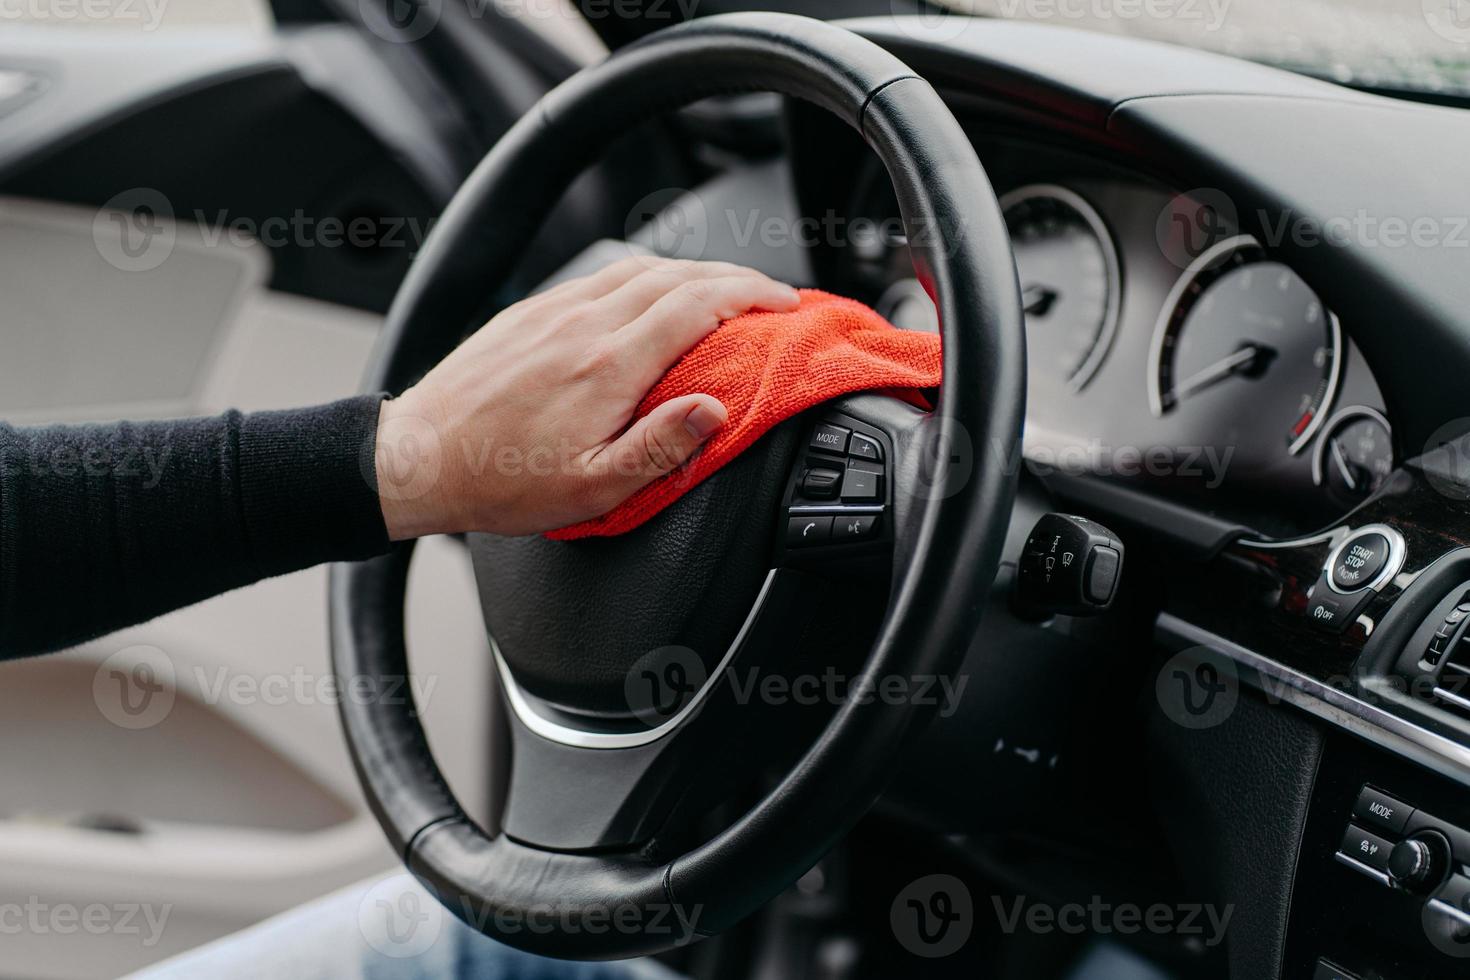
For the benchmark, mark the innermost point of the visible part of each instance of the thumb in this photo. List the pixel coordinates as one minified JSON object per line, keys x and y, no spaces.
{"x":664,"y":439}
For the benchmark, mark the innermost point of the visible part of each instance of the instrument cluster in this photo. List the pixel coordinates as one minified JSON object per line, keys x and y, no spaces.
{"x":1201,"y":366}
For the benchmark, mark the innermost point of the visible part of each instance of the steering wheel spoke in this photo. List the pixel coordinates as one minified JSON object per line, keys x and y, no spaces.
{"x":609,"y":784}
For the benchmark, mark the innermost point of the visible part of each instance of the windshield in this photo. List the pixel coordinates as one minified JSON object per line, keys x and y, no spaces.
{"x":1408,"y":45}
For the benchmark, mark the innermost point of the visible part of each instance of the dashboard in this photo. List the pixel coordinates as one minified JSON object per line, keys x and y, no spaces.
{"x":1166,"y":347}
{"x":1294,"y":489}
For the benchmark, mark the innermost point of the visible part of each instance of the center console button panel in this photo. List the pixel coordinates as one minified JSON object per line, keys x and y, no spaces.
{"x":1406,"y":849}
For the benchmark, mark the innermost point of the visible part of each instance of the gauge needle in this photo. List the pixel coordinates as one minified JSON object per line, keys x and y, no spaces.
{"x":1223,"y":368}
{"x":1340,"y":458}
{"x":1037,"y":299}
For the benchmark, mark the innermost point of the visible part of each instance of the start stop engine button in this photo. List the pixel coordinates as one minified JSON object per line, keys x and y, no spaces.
{"x":1359,"y":561}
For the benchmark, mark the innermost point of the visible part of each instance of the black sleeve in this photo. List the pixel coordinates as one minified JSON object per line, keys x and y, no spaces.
{"x":104,"y":526}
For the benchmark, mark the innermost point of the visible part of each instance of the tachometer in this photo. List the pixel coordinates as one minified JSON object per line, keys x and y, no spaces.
{"x":1241,"y":333}
{"x":1070,"y":282}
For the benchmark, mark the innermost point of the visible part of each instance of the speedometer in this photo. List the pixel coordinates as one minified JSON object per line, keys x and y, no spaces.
{"x":1071,"y":287}
{"x":1240,"y":334}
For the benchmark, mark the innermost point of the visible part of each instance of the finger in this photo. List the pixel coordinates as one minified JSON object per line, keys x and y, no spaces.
{"x":686,"y":315}
{"x":634,"y":298}
{"x":655,"y":445}
{"x":598,"y":284}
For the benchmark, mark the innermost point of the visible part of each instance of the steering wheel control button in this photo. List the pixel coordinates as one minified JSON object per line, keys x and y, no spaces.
{"x":862,"y":483}
{"x":861,"y":447}
{"x":1377,"y":809}
{"x":1068,"y":566}
{"x":1360,"y":562}
{"x":804,"y":531}
{"x":835,"y":494}
{"x":830,"y":438}
{"x":821,"y":483}
{"x":853,"y":528}
{"x":1366,"y":848}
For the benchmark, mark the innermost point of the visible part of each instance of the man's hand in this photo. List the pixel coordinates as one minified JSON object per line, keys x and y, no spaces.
{"x":524,"y":427}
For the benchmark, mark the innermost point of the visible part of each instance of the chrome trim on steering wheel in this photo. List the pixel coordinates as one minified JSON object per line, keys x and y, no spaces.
{"x":581,"y":738}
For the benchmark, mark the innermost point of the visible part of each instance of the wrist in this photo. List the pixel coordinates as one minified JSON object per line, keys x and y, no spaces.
{"x":408,"y":459}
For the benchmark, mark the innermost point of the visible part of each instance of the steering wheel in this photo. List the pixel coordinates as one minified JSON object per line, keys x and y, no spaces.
{"x":601,"y":851}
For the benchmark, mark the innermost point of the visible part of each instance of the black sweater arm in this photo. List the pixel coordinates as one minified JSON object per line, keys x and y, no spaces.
{"x":104,"y":526}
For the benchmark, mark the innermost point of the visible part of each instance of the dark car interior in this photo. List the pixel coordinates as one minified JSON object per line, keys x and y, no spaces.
{"x":1177,"y":570}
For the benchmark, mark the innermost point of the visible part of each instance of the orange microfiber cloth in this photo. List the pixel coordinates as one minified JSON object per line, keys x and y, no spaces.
{"x":765,"y":368}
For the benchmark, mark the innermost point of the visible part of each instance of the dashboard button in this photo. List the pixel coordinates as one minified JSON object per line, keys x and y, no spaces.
{"x":1420,"y":863}
{"x":804,"y":531}
{"x":1360,"y":561}
{"x":1380,"y":810}
{"x":1366,"y":848}
{"x":1331,"y":612}
{"x":830,"y":438}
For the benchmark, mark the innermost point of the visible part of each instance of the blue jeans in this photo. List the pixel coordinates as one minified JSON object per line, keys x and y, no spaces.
{"x":382,"y":929}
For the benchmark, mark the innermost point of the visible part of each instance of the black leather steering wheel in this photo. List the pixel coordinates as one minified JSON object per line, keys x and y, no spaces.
{"x":599,"y":855}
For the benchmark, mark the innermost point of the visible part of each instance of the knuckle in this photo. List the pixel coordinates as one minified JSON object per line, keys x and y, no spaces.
{"x":593,"y":494}
{"x":663,"y":452}
{"x":696,"y":292}
{"x":598,"y":360}
{"x":574,"y":318}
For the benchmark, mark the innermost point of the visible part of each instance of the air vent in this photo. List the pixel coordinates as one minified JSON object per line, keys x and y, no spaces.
{"x":1446,"y":659}
{"x":1452,"y":687}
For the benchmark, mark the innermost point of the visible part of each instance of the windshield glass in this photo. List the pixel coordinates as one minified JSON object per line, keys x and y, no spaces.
{"x":1409,"y":45}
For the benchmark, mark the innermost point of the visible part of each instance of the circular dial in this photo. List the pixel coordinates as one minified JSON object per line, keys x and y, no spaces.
{"x":1070,"y":282}
{"x":1243,"y":334}
{"x":1354,"y":456}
